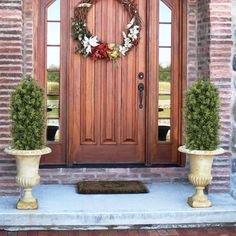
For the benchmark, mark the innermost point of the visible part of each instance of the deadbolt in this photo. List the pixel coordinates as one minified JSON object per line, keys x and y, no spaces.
{"x":141,"y":75}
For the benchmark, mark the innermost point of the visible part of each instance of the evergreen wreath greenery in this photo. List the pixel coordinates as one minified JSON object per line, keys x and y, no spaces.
{"x":202,"y":116}
{"x":90,"y":46}
{"x":27,"y":110}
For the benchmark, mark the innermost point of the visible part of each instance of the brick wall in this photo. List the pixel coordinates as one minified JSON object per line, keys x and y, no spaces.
{"x":192,"y":66}
{"x":220,"y":70}
{"x":28,"y":36}
{"x":233,"y":182}
{"x":147,"y":175}
{"x":11,"y":64}
{"x":212,"y":58}
{"x":203,"y":29}
{"x":209,"y":40}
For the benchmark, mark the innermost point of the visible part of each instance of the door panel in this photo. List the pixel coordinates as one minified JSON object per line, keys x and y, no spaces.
{"x":106,"y":124}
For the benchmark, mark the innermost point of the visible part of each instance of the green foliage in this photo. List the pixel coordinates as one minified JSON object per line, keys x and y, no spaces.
{"x":202,"y":116}
{"x":53,"y":76}
{"x":165,"y":74}
{"x":28,"y":116}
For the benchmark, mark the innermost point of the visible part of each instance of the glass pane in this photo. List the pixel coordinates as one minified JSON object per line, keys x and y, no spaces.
{"x":165,"y":76}
{"x":164,"y":106}
{"x":165,"y":13}
{"x":53,"y":88}
{"x":164,"y":88}
{"x":53,"y":115}
{"x":165,"y":34}
{"x":164,"y":58}
{"x":164,"y":130}
{"x":54,"y":11}
{"x":165,"y":72}
{"x":53,"y":33}
{"x":53,"y":76}
{"x":53,"y":58}
{"x":53,"y":130}
{"x":53,"y":107}
{"x":53,"y":72}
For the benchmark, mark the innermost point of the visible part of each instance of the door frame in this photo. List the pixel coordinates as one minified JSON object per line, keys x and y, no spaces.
{"x":62,"y":148}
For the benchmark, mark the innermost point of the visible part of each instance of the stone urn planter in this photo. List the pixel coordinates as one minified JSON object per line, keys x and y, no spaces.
{"x":202,"y":123}
{"x":200,"y":174}
{"x":27,"y":166}
{"x":28,"y":137}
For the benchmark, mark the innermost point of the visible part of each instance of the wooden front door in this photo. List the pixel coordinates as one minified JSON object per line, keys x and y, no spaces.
{"x":95,"y":109}
{"x":105,"y":122}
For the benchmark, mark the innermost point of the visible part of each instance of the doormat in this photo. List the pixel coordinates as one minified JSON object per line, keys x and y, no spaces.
{"x":111,"y":187}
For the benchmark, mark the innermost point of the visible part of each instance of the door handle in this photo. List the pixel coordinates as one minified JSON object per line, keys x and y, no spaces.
{"x":140,"y":92}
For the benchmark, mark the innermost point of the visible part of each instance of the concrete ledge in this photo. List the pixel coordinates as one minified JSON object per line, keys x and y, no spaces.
{"x":60,"y":207}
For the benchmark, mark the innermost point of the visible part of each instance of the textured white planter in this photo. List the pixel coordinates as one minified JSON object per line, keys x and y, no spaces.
{"x":27,"y":165}
{"x":200,"y":174}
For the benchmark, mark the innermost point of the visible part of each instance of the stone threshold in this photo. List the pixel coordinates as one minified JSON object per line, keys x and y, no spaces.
{"x":61,"y":208}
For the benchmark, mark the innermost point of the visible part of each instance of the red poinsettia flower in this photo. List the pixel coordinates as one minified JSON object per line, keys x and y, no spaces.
{"x":100,"y":51}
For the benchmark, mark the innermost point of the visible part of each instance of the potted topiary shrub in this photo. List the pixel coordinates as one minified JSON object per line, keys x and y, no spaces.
{"x":27,"y":110}
{"x":201,"y":136}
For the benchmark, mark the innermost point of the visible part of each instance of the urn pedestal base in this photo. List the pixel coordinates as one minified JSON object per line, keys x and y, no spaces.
{"x":199,"y":199}
{"x":199,"y":204}
{"x":27,"y":201}
{"x":22,"y":205}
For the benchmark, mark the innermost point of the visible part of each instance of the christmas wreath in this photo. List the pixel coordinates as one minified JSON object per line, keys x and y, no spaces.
{"x":90,"y":46}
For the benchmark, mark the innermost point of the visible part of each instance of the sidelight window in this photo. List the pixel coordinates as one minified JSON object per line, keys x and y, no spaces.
{"x":53,"y":49}
{"x":165,"y":69}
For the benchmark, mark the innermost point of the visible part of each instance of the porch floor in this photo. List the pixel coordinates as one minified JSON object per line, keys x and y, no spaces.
{"x":60,"y":207}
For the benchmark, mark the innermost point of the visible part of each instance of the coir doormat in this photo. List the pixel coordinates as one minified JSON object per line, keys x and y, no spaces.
{"x":111,"y":187}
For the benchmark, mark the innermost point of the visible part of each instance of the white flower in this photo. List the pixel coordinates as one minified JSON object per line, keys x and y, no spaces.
{"x":123,"y":50}
{"x":133,"y":32}
{"x":127,"y":40}
{"x":133,"y":36}
{"x":80,"y":37}
{"x":89,"y":43}
{"x":131,"y":23}
{"x":128,"y":45}
{"x":85,"y":5}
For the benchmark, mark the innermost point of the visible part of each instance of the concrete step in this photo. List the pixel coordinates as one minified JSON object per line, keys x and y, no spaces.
{"x":60,"y":207}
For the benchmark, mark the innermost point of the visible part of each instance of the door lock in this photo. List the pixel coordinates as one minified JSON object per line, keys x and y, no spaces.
{"x":141,"y":75}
